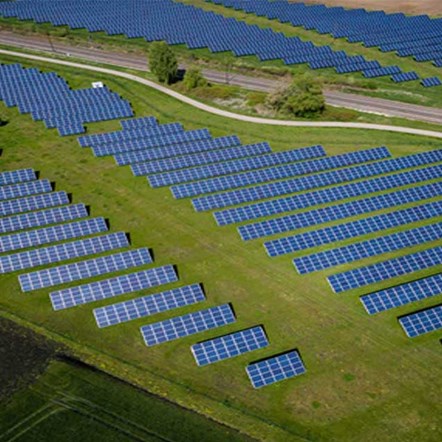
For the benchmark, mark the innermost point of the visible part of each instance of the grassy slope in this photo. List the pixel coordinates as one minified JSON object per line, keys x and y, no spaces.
{"x":410,"y":92}
{"x":76,"y":403}
{"x":365,"y":380}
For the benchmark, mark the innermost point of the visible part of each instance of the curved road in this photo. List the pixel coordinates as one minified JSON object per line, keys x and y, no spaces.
{"x":334,"y":98}
{"x":220,"y":112}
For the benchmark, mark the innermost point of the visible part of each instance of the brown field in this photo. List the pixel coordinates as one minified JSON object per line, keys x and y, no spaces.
{"x":415,"y":7}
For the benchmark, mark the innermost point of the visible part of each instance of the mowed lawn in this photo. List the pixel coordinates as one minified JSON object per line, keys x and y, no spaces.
{"x":365,"y":380}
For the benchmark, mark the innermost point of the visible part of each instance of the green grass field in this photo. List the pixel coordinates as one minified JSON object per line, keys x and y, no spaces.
{"x":83,"y":404}
{"x":365,"y":379}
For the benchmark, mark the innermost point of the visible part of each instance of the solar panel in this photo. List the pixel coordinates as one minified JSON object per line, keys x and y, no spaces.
{"x":228,"y":346}
{"x":25,"y":189}
{"x":197,"y":159}
{"x":278,"y":172}
{"x":402,"y":294}
{"x":171,"y":151}
{"x":186,"y":325}
{"x":340,"y":211}
{"x":340,"y":232}
{"x":372,"y":247}
{"x":241,"y":165}
{"x":108,"y":288}
{"x":17,"y":176}
{"x":36,"y":202}
{"x":145,"y":143}
{"x":138,"y":122}
{"x":148,"y":305}
{"x":422,"y":322}
{"x":275,"y":369}
{"x":84,"y":269}
{"x":62,"y":252}
{"x":271,"y":190}
{"x":42,"y":218}
{"x":35,"y":238}
{"x":381,"y":271}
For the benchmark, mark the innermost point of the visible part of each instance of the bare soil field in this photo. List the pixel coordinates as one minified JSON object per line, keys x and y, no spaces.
{"x":415,"y":7}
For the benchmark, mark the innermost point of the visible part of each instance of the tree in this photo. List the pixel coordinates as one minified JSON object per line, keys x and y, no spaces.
{"x":303,"y":98}
{"x":194,"y":79}
{"x":162,"y":62}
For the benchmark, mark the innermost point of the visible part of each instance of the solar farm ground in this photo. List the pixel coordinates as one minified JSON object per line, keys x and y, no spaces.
{"x":411,"y":92}
{"x":365,"y":379}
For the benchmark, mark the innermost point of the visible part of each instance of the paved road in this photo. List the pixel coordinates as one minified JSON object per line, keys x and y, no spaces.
{"x":340,"y":99}
{"x":220,"y":112}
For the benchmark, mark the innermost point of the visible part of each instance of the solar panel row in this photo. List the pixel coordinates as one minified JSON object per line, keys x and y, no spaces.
{"x":369,"y":248}
{"x":108,"y":288}
{"x":148,"y":305}
{"x":341,"y":211}
{"x":275,"y":369}
{"x":35,"y":238}
{"x":353,"y":229}
{"x":42,"y":218}
{"x":229,"y":346}
{"x":422,"y":322}
{"x":17,"y":176}
{"x":198,"y":159}
{"x":62,"y":252}
{"x":154,"y":141}
{"x":247,"y":164}
{"x":402,"y":294}
{"x":384,"y":270}
{"x":84,"y":269}
{"x":31,"y":203}
{"x":186,"y":325}
{"x":138,"y":122}
{"x":271,"y":190}
{"x":25,"y":189}
{"x":171,"y":151}
{"x":279,"y":172}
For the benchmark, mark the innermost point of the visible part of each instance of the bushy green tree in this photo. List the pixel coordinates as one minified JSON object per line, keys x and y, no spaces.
{"x":302,"y":98}
{"x":163,"y":62}
{"x":193,"y":79}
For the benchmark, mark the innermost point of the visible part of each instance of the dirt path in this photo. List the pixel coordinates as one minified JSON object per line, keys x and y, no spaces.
{"x":415,"y":7}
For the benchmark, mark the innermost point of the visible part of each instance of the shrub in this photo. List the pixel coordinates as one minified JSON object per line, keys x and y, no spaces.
{"x":193,"y":79}
{"x":163,"y":62}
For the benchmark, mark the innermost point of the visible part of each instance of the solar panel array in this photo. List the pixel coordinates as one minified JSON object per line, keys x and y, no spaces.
{"x":84,"y":269}
{"x":280,"y":172}
{"x":109,"y":288}
{"x":402,"y":294}
{"x":381,"y":271}
{"x":34,"y":238}
{"x":417,"y":36}
{"x":275,"y":369}
{"x":25,"y":189}
{"x":344,"y":231}
{"x":365,"y":249}
{"x":279,"y":188}
{"x":17,"y":176}
{"x":186,"y":325}
{"x":174,"y":22}
{"x":48,"y":97}
{"x":62,"y":252}
{"x":42,"y":218}
{"x":422,"y":322}
{"x":229,"y":346}
{"x":148,"y":305}
{"x":341,"y":211}
{"x":231,"y":167}
{"x":10,"y":207}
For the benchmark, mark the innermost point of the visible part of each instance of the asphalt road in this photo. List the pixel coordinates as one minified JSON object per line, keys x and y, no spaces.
{"x":351,"y":101}
{"x":221,"y":112}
